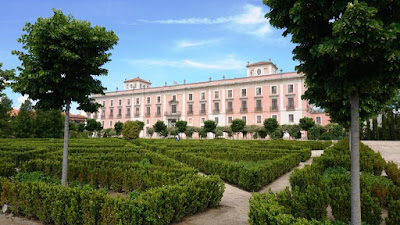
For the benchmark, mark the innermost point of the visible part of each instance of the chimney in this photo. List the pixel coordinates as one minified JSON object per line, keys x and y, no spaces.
{"x":116,"y":90}
{"x":184,"y":81}
{"x":269,"y":59}
{"x":165,"y":83}
{"x":223,"y":77}
{"x":210,"y":78}
{"x":281,"y":70}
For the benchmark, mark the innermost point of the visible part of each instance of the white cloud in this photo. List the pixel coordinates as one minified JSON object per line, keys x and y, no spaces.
{"x":21,"y":99}
{"x":225,"y":64}
{"x":251,"y":21}
{"x":188,"y":44}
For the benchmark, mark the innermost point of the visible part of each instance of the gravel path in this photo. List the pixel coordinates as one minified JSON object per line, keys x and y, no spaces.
{"x":390,"y":150}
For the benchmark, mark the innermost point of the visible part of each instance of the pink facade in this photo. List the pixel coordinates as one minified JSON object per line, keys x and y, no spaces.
{"x":254,"y":98}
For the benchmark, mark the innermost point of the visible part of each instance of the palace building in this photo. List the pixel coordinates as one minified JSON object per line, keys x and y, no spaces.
{"x":262,"y":94}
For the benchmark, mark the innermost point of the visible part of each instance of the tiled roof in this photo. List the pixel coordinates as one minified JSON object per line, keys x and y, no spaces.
{"x":137,"y":79}
{"x":259,"y":63}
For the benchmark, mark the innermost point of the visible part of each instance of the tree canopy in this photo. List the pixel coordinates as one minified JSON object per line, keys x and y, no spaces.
{"x":306,"y":123}
{"x":209,"y":126}
{"x":238,"y":125}
{"x":181,"y":125}
{"x":270,"y":125}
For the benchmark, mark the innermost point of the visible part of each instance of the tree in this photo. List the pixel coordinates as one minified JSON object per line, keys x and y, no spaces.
{"x":58,"y":67}
{"x":92,"y":125}
{"x":189,"y":132}
{"x":219,"y":132}
{"x":73,"y":126}
{"x":131,"y":130}
{"x":81,"y":127}
{"x":237,"y":125}
{"x":5,"y":75}
{"x":159,"y":127}
{"x":181,"y":126}
{"x":306,"y":123}
{"x":118,"y":127}
{"x":140,"y":123}
{"x":23,"y":123}
{"x":209,"y":126}
{"x":270,"y":125}
{"x":150,"y":131}
{"x":48,"y":124}
{"x":294,"y":131}
{"x":5,"y":117}
{"x":349,"y":53}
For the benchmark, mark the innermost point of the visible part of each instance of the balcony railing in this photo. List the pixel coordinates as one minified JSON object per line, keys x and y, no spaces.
{"x":289,"y":107}
{"x":158,"y":113}
{"x":103,"y":116}
{"x":216,"y":111}
{"x":229,"y":110}
{"x":190,"y":112}
{"x":243,"y":110}
{"x":176,"y":113}
{"x":119,"y":115}
{"x":258,"y":109}
{"x":148,"y":114}
{"x":202,"y":112}
{"x":128,"y":115}
{"x":137,"y":115}
{"x":274,"y":108}
{"x":110,"y":116}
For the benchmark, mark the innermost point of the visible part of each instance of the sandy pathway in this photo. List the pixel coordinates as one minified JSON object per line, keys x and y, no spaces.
{"x":390,"y":150}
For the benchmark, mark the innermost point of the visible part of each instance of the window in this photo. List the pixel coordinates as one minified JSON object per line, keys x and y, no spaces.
{"x":112,"y":102}
{"x":148,"y":110}
{"x":173,"y":109}
{"x":120,"y":102}
{"x":216,"y":120}
{"x":128,"y":111}
{"x":258,"y":104}
{"x":137,"y":111}
{"x":104,"y":103}
{"x":244,"y":92}
{"x":190,"y":120}
{"x":137,"y":101}
{"x":258,"y":90}
{"x":174,"y":97}
{"x":102,"y":123}
{"x":203,"y":108}
{"x":274,"y":104}
{"x":258,"y":119}
{"x":158,"y":99}
{"x":216,"y":107}
{"x":230,"y":106}
{"x":202,"y":120}
{"x":129,"y":101}
{"x":291,"y":118}
{"x":203,"y":96}
{"x":110,"y":123}
{"x":318,"y":120}
{"x":290,"y":88}
{"x":244,"y":104}
{"x":147,"y":121}
{"x":251,"y":72}
{"x":244,"y":118}
{"x":216,"y":94}
{"x":229,"y":119}
{"x":291,"y":102}
{"x":103,"y":113}
{"x":190,"y":108}
{"x":148,"y":100}
{"x":111,"y":112}
{"x":274,"y":90}
{"x":230,"y":93}
{"x":158,"y":110}
{"x":190,"y":97}
{"x":274,"y":117}
{"x":119,"y":112}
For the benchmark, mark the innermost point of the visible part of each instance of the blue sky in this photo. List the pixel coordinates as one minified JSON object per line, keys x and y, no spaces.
{"x":162,"y":41}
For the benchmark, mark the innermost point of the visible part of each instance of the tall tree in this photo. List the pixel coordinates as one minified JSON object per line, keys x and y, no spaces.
{"x":181,"y":125}
{"x":118,"y":127}
{"x":237,"y":125}
{"x":61,"y":56}
{"x":349,"y":53}
{"x":159,"y":127}
{"x":5,"y":116}
{"x":48,"y":124}
{"x":270,"y":125}
{"x":23,"y":123}
{"x":209,"y":126}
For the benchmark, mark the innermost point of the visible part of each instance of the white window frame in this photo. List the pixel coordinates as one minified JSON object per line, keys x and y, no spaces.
{"x":201,"y":96}
{"x":241,"y":92}
{"x":255,"y":91}
{"x":112,"y":102}
{"x":244,"y":119}
{"x":288,"y":89}
{"x":119,"y":102}
{"x":137,"y":101}
{"x":190,"y":121}
{"x":216,"y":97}
{"x":274,"y":115}
{"x":128,"y":101}
{"x":320,"y":120}
{"x":148,"y":100}
{"x":289,"y":118}
{"x":260,"y":118}
{"x":231,"y":118}
{"x":276,"y":86}
{"x":111,"y":123}
{"x":159,"y":97}
{"x":227,"y":93}
{"x":190,"y":95}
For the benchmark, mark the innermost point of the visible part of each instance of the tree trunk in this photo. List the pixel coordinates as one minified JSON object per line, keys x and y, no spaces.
{"x":64,"y":176}
{"x":355,"y":160}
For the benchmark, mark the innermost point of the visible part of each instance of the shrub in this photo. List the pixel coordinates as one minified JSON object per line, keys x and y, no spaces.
{"x":394,"y":213}
{"x":393,"y":172}
{"x":130,"y":130}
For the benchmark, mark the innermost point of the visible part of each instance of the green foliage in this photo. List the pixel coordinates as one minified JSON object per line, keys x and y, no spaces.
{"x":81,"y":127}
{"x":49,"y":124}
{"x":5,"y":117}
{"x":181,"y":126}
{"x":73,"y":126}
{"x":394,"y":213}
{"x":314,"y":133}
{"x":306,"y":123}
{"x":189,"y":132}
{"x":202,"y":133}
{"x":5,"y":75}
{"x":159,"y":127}
{"x":237,"y":125}
{"x":93,"y":125}
{"x":294,"y":131}
{"x":140,"y":123}
{"x":131,"y":130}
{"x":118,"y":127}
{"x":209,"y":126}
{"x":270,"y":125}
{"x":277,"y":134}
{"x":23,"y":123}
{"x":393,"y":172}
{"x":150,"y":131}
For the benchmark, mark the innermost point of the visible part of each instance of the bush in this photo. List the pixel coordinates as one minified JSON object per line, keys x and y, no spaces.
{"x":277,"y":134}
{"x":130,"y":130}
{"x":393,"y":172}
{"x":394,"y":213}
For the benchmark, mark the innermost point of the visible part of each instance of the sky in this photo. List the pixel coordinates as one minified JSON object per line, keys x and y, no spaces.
{"x":162,"y":41}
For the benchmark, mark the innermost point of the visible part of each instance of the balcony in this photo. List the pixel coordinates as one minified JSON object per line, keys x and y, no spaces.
{"x":158,"y":113}
{"x":216,"y":111}
{"x":202,"y":112}
{"x":170,"y":113}
{"x":243,"y":110}
{"x":148,"y":114}
{"x":103,"y":116}
{"x":137,"y":115}
{"x":290,"y":108}
{"x":274,"y":108}
{"x":229,"y":110}
{"x":119,"y":116}
{"x":110,"y":116}
{"x":258,"y":109}
{"x":128,"y":115}
{"x":190,"y":112}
